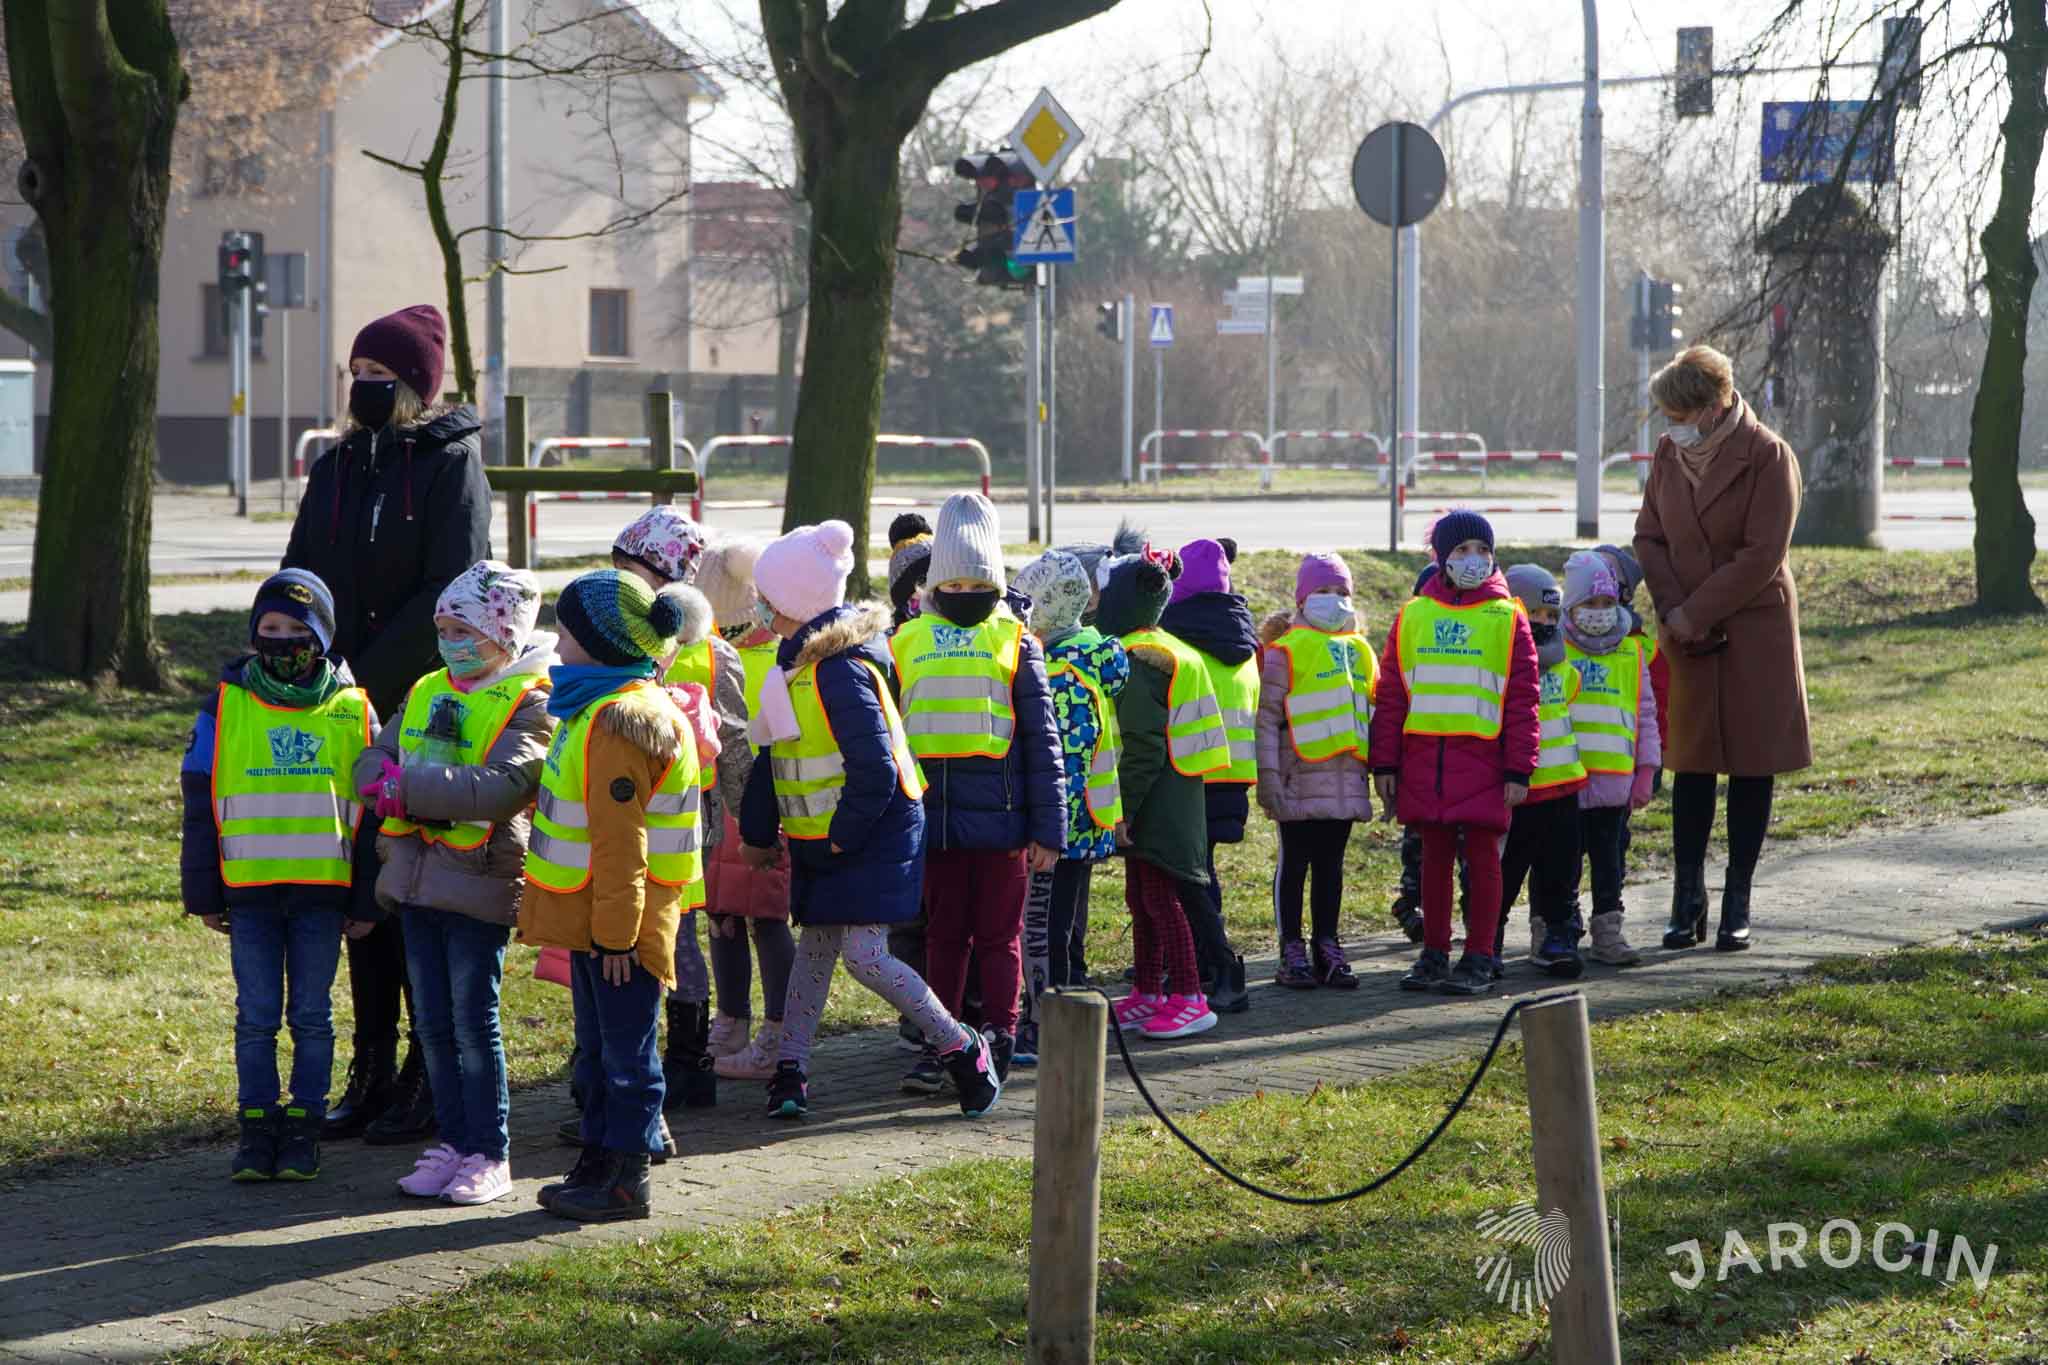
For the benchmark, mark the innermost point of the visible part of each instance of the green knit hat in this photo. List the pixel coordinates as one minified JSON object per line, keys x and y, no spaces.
{"x":616,"y":618}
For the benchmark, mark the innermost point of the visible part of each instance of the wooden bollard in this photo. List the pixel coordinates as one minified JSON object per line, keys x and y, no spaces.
{"x":518,"y":549}
{"x":661,"y":436}
{"x":1066,"y":1167}
{"x":1564,"y":1123}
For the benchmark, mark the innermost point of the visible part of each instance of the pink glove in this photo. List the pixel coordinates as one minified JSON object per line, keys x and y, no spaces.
{"x":1639,"y":792}
{"x":381,"y":793}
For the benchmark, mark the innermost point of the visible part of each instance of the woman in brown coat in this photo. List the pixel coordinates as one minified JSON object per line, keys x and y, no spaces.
{"x":1712,"y":536}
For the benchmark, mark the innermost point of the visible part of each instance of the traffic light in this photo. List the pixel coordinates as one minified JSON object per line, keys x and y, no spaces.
{"x":1664,"y":333}
{"x":1693,"y":79}
{"x":237,"y":262}
{"x":1109,"y":319}
{"x":997,"y":177}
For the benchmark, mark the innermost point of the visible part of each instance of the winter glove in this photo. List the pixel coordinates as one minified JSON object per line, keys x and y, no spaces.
{"x":381,"y":793}
{"x":1269,"y":797}
{"x":1640,"y":791}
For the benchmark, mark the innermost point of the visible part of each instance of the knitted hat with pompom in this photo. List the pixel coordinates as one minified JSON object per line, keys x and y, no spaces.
{"x":617,"y":619}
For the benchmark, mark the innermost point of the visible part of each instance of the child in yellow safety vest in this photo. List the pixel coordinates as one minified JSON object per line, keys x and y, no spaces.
{"x":616,"y":854}
{"x":451,"y":778}
{"x":1318,"y":675}
{"x":1542,"y":846}
{"x":1614,"y":718}
{"x":276,"y":855}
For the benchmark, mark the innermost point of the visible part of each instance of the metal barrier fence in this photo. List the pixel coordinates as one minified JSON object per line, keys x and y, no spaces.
{"x":890,"y":440}
{"x":1156,"y":467}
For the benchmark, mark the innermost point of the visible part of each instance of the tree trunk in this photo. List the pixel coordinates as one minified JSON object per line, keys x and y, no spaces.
{"x":856,"y":209}
{"x":98,"y":176}
{"x":2005,"y":529}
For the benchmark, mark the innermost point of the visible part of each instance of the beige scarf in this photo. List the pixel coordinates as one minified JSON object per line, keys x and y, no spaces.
{"x":1693,"y":460}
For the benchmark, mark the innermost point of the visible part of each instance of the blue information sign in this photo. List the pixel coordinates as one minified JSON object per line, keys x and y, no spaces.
{"x":1812,"y":142}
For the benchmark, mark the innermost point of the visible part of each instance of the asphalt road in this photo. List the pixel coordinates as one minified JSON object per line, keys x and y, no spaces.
{"x":200,"y":535}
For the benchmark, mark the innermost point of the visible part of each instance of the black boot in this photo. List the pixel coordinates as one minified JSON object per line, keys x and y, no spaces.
{"x":371,"y":1072}
{"x":298,"y":1145}
{"x":1688,"y":925}
{"x":1231,"y":995}
{"x":256,"y":1155}
{"x":410,"y":1115}
{"x":589,"y":1165}
{"x":617,"y":1190}
{"x":1733,"y":934}
{"x":686,"y":1061}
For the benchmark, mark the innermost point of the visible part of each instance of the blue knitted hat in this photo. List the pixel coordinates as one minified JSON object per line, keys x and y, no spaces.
{"x":1454,"y":528}
{"x":303,"y":597}
{"x":616,"y":618}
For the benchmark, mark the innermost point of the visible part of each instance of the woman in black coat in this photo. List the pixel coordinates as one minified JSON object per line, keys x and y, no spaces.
{"x":390,"y":515}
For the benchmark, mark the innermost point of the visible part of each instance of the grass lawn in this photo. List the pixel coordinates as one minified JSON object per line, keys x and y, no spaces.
{"x":116,"y":1012}
{"x":1911,"y":1089}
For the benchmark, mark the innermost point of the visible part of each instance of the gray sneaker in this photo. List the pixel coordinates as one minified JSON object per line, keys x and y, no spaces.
{"x":927,"y":1077}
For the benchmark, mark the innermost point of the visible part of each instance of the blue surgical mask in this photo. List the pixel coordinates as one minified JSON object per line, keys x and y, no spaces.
{"x":1327,"y":611}
{"x":465,"y":658}
{"x":1684,"y":433}
{"x":764,"y":615}
{"x":1469,"y":571}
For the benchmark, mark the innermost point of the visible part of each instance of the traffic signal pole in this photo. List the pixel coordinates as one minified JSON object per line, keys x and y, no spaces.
{"x":1643,"y":368}
{"x":1052,"y":392}
{"x":1034,"y":429}
{"x":238,"y":404}
{"x":1130,"y":335}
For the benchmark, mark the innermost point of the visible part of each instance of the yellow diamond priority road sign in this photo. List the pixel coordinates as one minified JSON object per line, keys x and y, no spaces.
{"x":1045,"y":137}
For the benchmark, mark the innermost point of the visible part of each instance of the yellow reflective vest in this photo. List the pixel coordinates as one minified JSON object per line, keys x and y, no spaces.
{"x":809,"y":771}
{"x":1197,"y":743}
{"x":1455,"y":661}
{"x":755,"y":661}
{"x":959,"y":684}
{"x":1557,"y":761}
{"x":470,"y":722}
{"x":1610,"y":698}
{"x":283,"y":801}
{"x":558,"y":855}
{"x":1237,"y":697}
{"x":1104,"y":795}
{"x":1332,"y":680}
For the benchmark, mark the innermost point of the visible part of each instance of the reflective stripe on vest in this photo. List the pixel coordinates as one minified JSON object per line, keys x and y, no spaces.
{"x":1557,"y":760}
{"x":755,"y":661}
{"x":283,"y":804}
{"x":1332,"y":681}
{"x":436,"y":714}
{"x":1197,"y":743}
{"x":1455,"y":661}
{"x":1604,"y":714}
{"x":558,"y":854}
{"x":698,"y":664}
{"x":1237,"y":697}
{"x":957,"y":684}
{"x":1104,"y":795}
{"x":809,"y":772}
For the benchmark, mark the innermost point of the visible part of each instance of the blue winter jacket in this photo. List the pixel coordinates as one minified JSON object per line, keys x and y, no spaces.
{"x":199,"y":848}
{"x":1220,"y":625}
{"x":877,"y":877}
{"x":1007,"y":802}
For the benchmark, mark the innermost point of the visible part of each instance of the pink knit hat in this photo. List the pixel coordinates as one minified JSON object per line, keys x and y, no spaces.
{"x":1203,"y":568}
{"x":803,"y":575}
{"x":1318,"y":572}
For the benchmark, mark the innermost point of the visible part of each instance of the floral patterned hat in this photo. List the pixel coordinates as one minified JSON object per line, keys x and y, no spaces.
{"x":499,"y":602}
{"x":665,"y":541}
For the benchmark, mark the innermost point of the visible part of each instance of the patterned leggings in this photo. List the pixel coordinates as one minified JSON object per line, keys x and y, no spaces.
{"x":693,"y":983}
{"x":1160,"y":938}
{"x":865,"y":949}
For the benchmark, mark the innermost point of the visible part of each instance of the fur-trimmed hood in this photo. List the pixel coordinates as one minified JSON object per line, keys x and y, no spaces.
{"x":646,"y":719}
{"x":842,"y":629}
{"x":1274,"y":626}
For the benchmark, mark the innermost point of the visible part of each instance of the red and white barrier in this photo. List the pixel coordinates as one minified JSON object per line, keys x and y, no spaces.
{"x":305,"y":443}
{"x":537,"y":455}
{"x":1924,"y":463}
{"x":1499,"y":456}
{"x":891,"y":440}
{"x":1152,"y":468}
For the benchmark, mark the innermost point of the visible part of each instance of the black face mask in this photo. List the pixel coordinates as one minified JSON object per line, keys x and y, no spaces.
{"x":1543,"y":634}
{"x":372,"y":401}
{"x":287,"y":658}
{"x":965,"y":608}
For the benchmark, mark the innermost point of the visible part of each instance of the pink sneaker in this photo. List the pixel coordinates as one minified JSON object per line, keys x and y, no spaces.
{"x":1180,"y":1016}
{"x":1135,"y":1008}
{"x":479,"y":1180}
{"x":756,"y":1061}
{"x":431,"y":1173}
{"x":728,"y":1035}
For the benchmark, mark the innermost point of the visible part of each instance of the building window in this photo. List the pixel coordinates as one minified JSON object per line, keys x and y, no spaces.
{"x":230,"y":174}
{"x":213,"y":326}
{"x":610,"y":320}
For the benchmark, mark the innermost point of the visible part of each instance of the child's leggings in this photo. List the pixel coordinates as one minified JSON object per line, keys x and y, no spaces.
{"x":865,"y":950}
{"x":1482,"y":909}
{"x":732,"y":964}
{"x":1160,"y":938}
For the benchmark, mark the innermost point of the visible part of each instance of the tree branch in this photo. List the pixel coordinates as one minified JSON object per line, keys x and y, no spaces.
{"x":936,"y":48}
{"x":624,"y":222}
{"x":84,"y":62}
{"x":26,"y":323}
{"x":394,"y":164}
{"x":832,"y":75}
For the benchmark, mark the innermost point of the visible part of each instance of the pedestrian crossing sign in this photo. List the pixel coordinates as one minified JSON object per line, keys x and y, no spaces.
{"x":1162,"y":325}
{"x":1045,"y":228}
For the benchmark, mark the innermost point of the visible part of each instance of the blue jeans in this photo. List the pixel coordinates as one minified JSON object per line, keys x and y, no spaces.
{"x":276,"y":951}
{"x":456,"y":963}
{"x":618,"y":1067}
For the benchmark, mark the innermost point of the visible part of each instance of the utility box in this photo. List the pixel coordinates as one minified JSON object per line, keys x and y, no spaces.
{"x":17,"y":418}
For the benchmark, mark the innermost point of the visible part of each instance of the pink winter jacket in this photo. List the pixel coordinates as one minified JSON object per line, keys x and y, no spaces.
{"x":1458,"y":780}
{"x":1290,"y":787}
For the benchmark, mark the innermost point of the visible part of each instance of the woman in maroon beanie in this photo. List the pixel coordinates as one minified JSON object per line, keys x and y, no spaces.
{"x":391,"y":514}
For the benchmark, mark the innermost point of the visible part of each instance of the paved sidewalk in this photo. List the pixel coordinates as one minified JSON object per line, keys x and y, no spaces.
{"x":129,"y":1263}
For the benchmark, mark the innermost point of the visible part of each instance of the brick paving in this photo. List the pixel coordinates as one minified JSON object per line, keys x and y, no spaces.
{"x":132,"y":1262}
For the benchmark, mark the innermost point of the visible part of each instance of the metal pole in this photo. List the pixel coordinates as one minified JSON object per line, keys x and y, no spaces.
{"x":1052,"y":392}
{"x":1564,"y":1131}
{"x":1407,"y":418}
{"x":1066,"y":1179}
{"x":519,"y":551}
{"x":1592,"y":307}
{"x":1272,"y":371}
{"x":1395,"y":469}
{"x":1130,"y":329}
{"x":1034,"y":375}
{"x":1159,"y":389}
{"x":284,"y":408}
{"x":1643,"y":365}
{"x":497,"y":113}
{"x":326,"y":242}
{"x":661,"y":437}
{"x":239,"y":407}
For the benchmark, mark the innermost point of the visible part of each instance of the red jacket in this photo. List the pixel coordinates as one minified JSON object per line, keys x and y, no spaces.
{"x":1458,"y":780}
{"x":1660,"y":686}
